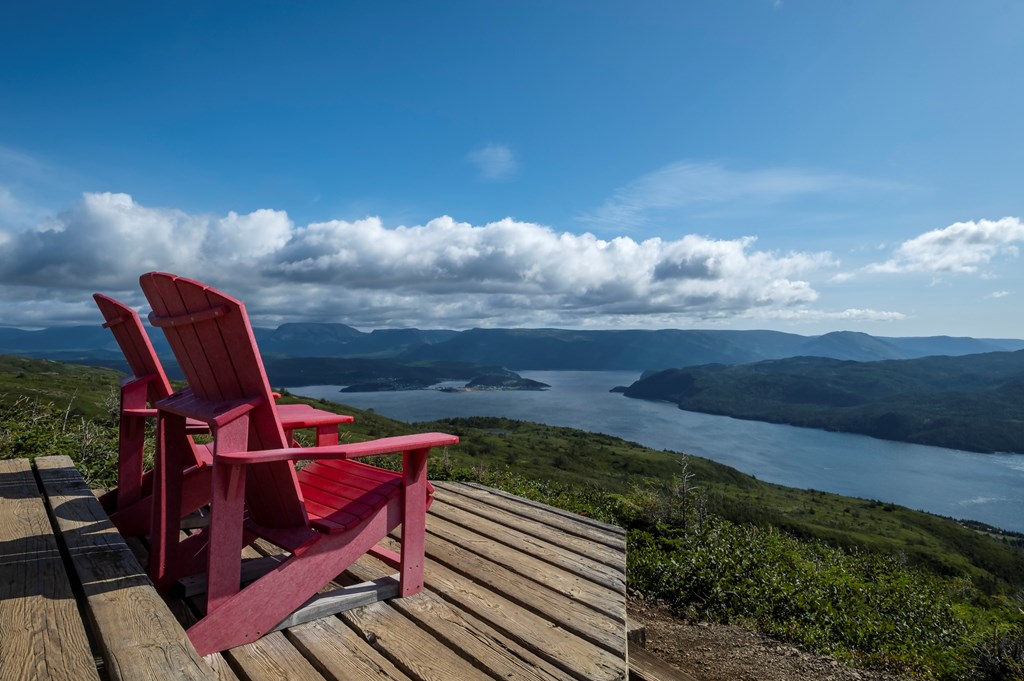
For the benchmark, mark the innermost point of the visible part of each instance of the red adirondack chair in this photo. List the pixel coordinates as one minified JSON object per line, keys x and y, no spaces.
{"x":129,"y":503}
{"x":326,"y":516}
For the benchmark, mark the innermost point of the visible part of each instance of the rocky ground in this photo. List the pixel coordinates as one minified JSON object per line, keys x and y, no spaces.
{"x":714,"y":652}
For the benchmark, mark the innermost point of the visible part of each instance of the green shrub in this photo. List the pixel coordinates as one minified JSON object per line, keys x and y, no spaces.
{"x":1001,"y":657}
{"x":31,"y":428}
{"x":869,"y":609}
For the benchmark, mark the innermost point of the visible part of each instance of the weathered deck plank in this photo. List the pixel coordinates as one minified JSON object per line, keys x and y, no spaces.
{"x":535,"y":528}
{"x":487,"y":648}
{"x":139,"y":636}
{"x":410,"y":648}
{"x":570,"y":613}
{"x":340,"y":654}
{"x":272,"y":658}
{"x":597,"y":586}
{"x":602,"y":533}
{"x":546,"y":637}
{"x":41,"y":631}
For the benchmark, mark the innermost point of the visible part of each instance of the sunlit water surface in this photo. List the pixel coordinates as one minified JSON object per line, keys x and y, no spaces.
{"x":985,"y":487}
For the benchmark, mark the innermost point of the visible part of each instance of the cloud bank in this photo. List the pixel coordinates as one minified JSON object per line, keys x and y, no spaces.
{"x":440,"y":274}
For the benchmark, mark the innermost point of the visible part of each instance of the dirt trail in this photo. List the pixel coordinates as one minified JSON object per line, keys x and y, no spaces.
{"x":715,"y":652}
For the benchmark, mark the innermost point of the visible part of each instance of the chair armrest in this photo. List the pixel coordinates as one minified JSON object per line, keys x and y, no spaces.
{"x":192,"y":426}
{"x":214,"y":413}
{"x":295,"y":416}
{"x":145,"y":412}
{"x":385,"y":445}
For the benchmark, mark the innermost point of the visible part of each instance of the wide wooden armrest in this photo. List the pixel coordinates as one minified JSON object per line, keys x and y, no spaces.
{"x":144,"y":412}
{"x":294,"y":416}
{"x":214,"y":413}
{"x":192,"y":426}
{"x":354,"y":450}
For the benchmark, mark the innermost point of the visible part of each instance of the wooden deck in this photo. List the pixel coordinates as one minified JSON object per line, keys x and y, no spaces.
{"x":515,"y":590}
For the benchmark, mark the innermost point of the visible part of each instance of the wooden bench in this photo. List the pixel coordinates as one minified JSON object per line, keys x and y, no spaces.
{"x":102,"y":612}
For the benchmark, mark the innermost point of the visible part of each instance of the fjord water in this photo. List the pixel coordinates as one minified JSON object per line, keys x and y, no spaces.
{"x":985,"y":487}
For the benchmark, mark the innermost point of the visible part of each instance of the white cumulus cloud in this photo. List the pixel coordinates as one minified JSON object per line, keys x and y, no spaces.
{"x":962,"y":247}
{"x":365,"y":273}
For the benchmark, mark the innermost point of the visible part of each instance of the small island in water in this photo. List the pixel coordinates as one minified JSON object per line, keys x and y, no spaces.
{"x":494,"y":380}
{"x":509,"y":381}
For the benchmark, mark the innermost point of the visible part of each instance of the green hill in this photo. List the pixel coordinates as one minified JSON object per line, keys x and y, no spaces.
{"x":80,"y":390}
{"x":970,"y":402}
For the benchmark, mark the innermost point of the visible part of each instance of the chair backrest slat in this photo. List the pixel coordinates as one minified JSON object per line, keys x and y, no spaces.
{"x":219,"y":357}
{"x":187,"y":348}
{"x":131,"y":337}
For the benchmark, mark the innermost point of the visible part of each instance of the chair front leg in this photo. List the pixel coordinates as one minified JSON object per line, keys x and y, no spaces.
{"x":165,"y":517}
{"x":326,"y":435}
{"x":227,"y":505}
{"x":131,"y":443}
{"x":414,"y":521}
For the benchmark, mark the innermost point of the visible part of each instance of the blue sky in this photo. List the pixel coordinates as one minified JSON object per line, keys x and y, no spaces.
{"x":799,"y":165}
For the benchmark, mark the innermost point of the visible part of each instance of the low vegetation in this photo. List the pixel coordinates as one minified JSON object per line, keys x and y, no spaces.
{"x":871,"y":583}
{"x":78,"y":390}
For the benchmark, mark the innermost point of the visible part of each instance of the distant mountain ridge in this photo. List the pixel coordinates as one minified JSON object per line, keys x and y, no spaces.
{"x":525,"y":349}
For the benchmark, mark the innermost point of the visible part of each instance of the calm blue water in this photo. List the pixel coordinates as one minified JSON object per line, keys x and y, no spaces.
{"x":985,"y":487}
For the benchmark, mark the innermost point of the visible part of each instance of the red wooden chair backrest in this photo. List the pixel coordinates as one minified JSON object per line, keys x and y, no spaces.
{"x":134,"y":342}
{"x":210,"y":335}
{"x":131,"y":337}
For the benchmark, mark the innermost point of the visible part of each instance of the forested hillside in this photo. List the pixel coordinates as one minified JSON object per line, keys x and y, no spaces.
{"x":971,"y":402}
